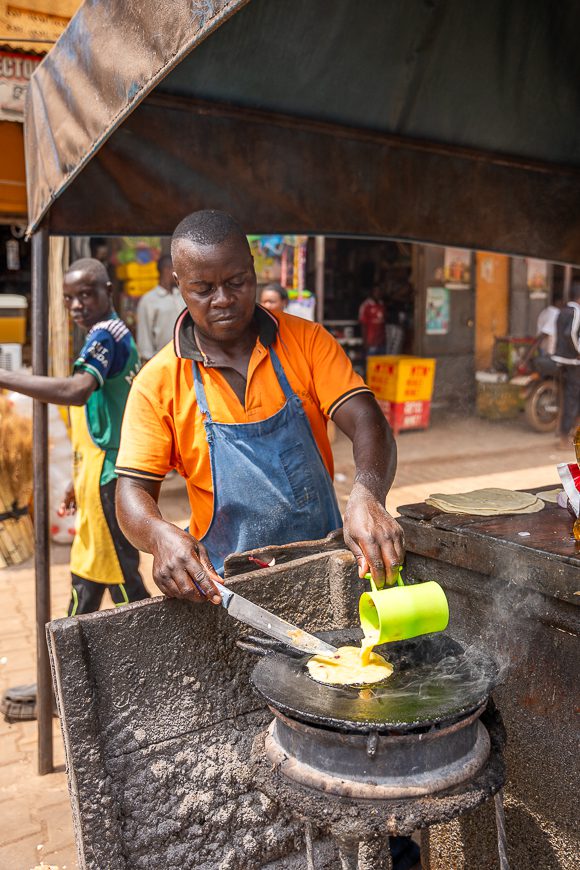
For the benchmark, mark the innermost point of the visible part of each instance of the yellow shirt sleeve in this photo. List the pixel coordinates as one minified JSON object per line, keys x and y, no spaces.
{"x":334,"y":378}
{"x":147,"y":437}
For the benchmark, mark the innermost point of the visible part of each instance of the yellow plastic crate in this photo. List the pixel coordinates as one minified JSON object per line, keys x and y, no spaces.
{"x":401,"y":378}
{"x":138,"y":271}
{"x":12,"y":319}
{"x":139,"y":288}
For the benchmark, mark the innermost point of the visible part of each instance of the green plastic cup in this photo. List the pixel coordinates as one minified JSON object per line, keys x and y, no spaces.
{"x":401,"y":612}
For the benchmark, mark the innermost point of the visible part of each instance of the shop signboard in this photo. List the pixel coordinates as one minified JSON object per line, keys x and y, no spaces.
{"x":15,"y":72}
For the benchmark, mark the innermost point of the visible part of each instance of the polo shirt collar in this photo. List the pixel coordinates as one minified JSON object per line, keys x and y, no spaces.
{"x":186,"y":346}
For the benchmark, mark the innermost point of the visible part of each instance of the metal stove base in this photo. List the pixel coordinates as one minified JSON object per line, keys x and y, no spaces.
{"x":378,"y":766}
{"x":360,"y":826}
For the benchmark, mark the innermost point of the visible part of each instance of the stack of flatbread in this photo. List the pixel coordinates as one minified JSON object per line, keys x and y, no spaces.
{"x":487,"y":502}
{"x":550,"y":495}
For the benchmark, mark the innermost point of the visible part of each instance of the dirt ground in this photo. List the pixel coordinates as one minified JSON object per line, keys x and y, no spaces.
{"x":454,"y":455}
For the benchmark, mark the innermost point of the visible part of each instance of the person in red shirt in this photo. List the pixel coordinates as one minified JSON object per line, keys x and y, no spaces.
{"x":371,"y":317}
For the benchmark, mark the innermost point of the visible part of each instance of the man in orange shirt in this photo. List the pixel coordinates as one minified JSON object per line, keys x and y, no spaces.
{"x":239,"y":406}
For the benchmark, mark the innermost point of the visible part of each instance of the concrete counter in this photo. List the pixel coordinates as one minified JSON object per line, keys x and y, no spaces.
{"x":159,"y":718}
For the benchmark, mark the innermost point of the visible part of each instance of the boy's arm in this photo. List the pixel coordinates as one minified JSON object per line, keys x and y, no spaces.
{"x":74,"y":390}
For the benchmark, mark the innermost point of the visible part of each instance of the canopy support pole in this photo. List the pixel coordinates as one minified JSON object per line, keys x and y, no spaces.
{"x":319,"y":259}
{"x":567,"y":282}
{"x":40,"y":247}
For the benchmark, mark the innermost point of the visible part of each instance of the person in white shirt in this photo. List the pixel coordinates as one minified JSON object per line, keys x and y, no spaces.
{"x":157,"y":312}
{"x":567,"y":356}
{"x":546,"y":327}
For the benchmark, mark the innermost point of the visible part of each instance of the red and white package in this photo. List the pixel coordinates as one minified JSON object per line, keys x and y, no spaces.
{"x":570,"y":476}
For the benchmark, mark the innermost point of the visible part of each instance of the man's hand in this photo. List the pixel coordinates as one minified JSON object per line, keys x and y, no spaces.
{"x":182,"y":567}
{"x":374,"y":537}
{"x":68,"y":504}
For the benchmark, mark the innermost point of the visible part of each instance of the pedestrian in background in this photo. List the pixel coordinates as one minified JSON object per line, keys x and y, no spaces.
{"x":157,"y":312}
{"x":274,"y":297}
{"x":567,"y":355}
{"x":546,"y":326}
{"x":96,"y":393}
{"x":372,"y":319}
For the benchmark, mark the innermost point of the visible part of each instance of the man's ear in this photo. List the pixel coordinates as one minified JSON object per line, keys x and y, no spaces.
{"x":109,"y":288}
{"x":175,"y":279}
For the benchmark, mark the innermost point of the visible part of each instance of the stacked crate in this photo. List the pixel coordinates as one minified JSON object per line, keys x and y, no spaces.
{"x":403,"y":386}
{"x":138,"y":278}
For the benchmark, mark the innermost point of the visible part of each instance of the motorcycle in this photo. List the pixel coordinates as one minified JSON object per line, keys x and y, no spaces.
{"x":541,"y":392}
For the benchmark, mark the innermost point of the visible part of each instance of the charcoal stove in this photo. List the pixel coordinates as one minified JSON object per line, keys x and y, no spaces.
{"x":421,"y":748}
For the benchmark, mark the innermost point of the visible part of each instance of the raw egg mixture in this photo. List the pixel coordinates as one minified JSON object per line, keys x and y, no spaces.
{"x":351,"y":665}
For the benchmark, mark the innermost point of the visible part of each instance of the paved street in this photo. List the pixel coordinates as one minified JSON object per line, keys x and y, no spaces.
{"x":454,"y":455}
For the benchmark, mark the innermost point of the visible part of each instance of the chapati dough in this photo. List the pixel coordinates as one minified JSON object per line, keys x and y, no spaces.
{"x":550,"y":495}
{"x":487,"y":502}
{"x":345,"y":668}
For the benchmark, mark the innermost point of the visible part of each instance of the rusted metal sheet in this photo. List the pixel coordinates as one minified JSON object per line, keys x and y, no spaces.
{"x":278,"y":174}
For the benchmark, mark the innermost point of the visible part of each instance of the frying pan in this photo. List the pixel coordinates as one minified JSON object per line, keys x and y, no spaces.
{"x":436,"y":680}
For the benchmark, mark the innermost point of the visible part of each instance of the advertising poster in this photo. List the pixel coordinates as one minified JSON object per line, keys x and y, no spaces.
{"x":437,"y":311}
{"x":537,"y":277}
{"x":457,"y":268}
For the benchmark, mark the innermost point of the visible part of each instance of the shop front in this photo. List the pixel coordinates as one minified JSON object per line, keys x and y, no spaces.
{"x":27,"y":32}
{"x":15,"y":71}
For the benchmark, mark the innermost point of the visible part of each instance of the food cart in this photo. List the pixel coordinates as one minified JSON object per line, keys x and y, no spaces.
{"x":431,"y":122}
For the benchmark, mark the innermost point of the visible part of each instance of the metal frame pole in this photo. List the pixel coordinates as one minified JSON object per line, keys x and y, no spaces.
{"x":319,"y":259}
{"x":40,"y":246}
{"x":567,"y":282}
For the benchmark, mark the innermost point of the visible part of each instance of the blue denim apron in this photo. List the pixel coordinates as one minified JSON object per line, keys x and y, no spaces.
{"x":270,"y":485}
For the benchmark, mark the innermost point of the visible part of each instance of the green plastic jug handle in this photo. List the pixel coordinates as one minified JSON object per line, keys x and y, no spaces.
{"x":399,"y":579}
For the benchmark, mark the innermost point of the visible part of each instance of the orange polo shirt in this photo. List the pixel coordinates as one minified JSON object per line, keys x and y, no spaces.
{"x":163,"y":427}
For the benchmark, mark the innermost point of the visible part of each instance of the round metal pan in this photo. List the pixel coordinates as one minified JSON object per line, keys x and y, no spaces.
{"x":436,"y":680}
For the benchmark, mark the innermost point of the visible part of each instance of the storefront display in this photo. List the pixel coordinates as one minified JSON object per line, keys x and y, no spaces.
{"x":134,"y":261}
{"x":282,"y":260}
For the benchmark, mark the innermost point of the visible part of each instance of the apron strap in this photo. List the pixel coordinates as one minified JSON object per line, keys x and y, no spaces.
{"x":200,"y":392}
{"x":281,"y":375}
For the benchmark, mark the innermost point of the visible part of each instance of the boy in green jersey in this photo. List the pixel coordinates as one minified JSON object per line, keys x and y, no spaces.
{"x":96,"y":393}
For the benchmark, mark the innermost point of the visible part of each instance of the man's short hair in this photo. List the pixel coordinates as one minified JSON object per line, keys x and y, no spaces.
{"x":208,"y":227}
{"x":91,"y":267}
